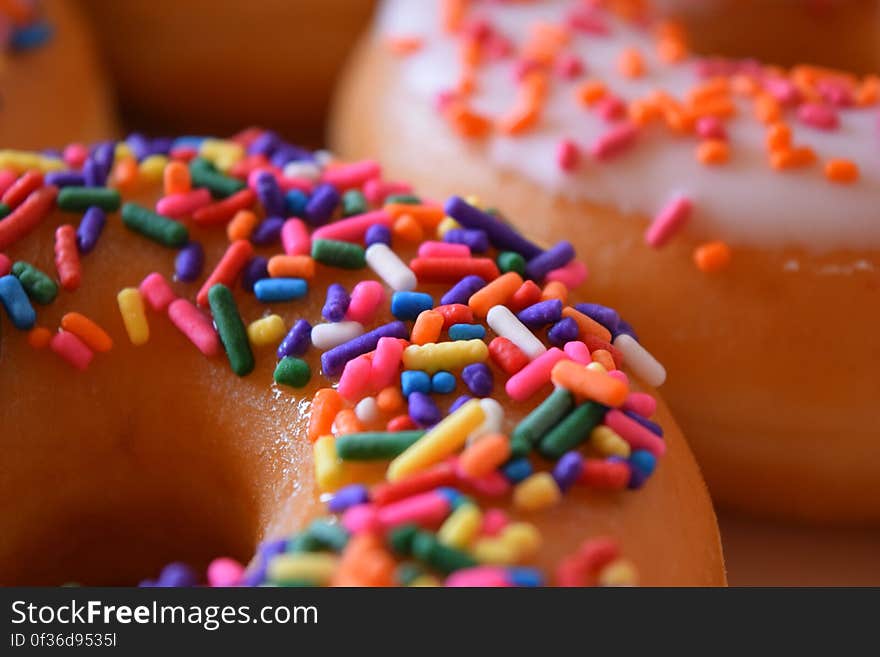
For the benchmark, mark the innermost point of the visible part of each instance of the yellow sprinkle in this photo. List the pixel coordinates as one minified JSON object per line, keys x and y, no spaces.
{"x":618,"y":573}
{"x":537,"y":492}
{"x":131,"y":307}
{"x":597,"y":367}
{"x":436,"y":356}
{"x":473,"y":199}
{"x":20,"y":161}
{"x":606,"y":441}
{"x":329,"y":473}
{"x":443,"y":440}
{"x":524,"y":538}
{"x":425,"y":580}
{"x":494,"y":551}
{"x":462,"y":526}
{"x":316,"y":567}
{"x":221,"y":153}
{"x":447,"y":224}
{"x":266,"y":331}
{"x":122,"y":150}
{"x":152,"y":168}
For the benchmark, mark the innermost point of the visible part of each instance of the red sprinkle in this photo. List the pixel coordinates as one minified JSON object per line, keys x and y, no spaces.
{"x":452,"y":270}
{"x":31,"y":181}
{"x":27,"y":216}
{"x":222,"y":211}
{"x":67,"y":258}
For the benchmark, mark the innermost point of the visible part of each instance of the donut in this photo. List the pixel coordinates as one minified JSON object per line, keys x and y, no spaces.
{"x":287,"y":54}
{"x":727,"y":208}
{"x":53,"y":87}
{"x":207,"y":365}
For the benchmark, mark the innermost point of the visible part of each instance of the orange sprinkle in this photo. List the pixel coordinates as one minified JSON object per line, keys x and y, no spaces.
{"x":713,"y":152}
{"x":587,"y":325}
{"x":126,"y":174}
{"x":712,"y":257}
{"x":427,"y":327}
{"x":841,"y":171}
{"x":364,"y":562}
{"x":631,"y":64}
{"x":176,"y":178}
{"x":347,"y":421}
{"x":452,"y":14}
{"x":555,"y":290}
{"x":404,"y":45}
{"x":767,"y":109}
{"x":792,"y":158}
{"x":484,"y":455}
{"x":407,"y":228}
{"x":389,"y":400}
{"x":242,"y":225}
{"x":519,"y":120}
{"x":88,"y":331}
{"x":589,"y":384}
{"x":718,"y":106}
{"x":591,"y":92}
{"x":498,"y":292}
{"x":604,"y":358}
{"x":744,"y":85}
{"x":295,"y":266}
{"x":868,"y":92}
{"x":326,"y":404}
{"x":429,"y":216}
{"x":545,"y":42}
{"x":39,"y":337}
{"x":778,"y":137}
{"x":468,"y":123}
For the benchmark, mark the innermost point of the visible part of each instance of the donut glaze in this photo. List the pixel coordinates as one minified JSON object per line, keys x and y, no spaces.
{"x":779,"y":411}
{"x":157,"y":453}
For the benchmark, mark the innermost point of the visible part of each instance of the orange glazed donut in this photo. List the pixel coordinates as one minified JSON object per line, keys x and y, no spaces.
{"x":727,"y":208}
{"x":53,"y":88}
{"x":140,"y":432}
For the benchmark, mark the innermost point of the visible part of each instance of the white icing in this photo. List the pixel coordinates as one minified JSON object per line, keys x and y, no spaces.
{"x":743,"y":201}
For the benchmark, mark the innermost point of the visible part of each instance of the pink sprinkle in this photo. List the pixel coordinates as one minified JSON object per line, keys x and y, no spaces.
{"x":295,"y":237}
{"x":634,"y":433}
{"x":71,"y":349}
{"x":585,"y":19}
{"x":641,"y":403}
{"x":669,"y":221}
{"x":480,"y":576}
{"x":75,"y":155}
{"x":498,"y":46}
{"x":377,"y":190}
{"x":523,"y":67}
{"x":248,"y":166}
{"x":568,"y":155}
{"x":7,"y":179}
{"x":355,"y":380}
{"x":616,"y":141}
{"x":571,"y":275}
{"x":494,"y":522}
{"x":361,"y":518}
{"x":354,"y":228}
{"x":835,"y":93}
{"x":578,"y":352}
{"x":247,"y":136}
{"x":619,"y":375}
{"x":224,"y":571}
{"x":157,"y":292}
{"x":711,"y":127}
{"x":533,"y":376}
{"x":287,"y":183}
{"x":426,"y":510}
{"x":610,"y":108}
{"x":366,"y":297}
{"x":818,"y":116}
{"x":195,"y":326}
{"x":783,"y":90}
{"x":349,"y":176}
{"x":5,"y":264}
{"x":569,"y":67}
{"x":443,"y":250}
{"x":386,"y":361}
{"x":177,"y":206}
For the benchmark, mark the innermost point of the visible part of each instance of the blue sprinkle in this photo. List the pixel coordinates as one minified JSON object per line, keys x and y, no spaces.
{"x":414,"y":381}
{"x":423,"y":410}
{"x":467,"y":332}
{"x":280,"y":289}
{"x":517,"y":470}
{"x":478,"y":378}
{"x":256,"y":269}
{"x":455,"y":497}
{"x":295,"y":201}
{"x":442,"y":383}
{"x":297,"y":341}
{"x":643,"y":461}
{"x":18,"y":306}
{"x":530,"y":577}
{"x":408,"y":305}
{"x":30,"y":36}
{"x":378,"y":234}
{"x":189,"y":262}
{"x":267,"y":231}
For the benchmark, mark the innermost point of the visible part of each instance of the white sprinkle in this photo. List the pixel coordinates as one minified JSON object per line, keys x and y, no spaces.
{"x":390,"y":268}
{"x":640,"y":360}
{"x":494,"y":419}
{"x":507,"y":325}
{"x":307,"y":170}
{"x":324,"y":157}
{"x":367,"y":410}
{"x":332,"y":334}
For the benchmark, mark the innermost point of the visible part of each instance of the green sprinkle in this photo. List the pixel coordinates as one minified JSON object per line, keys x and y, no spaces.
{"x":203,"y":174}
{"x":408,"y":572}
{"x":353,"y":202}
{"x":401,"y":539}
{"x":573,"y":430}
{"x":231,"y":329}
{"x":4,"y":210}
{"x":440,"y":557}
{"x":303,"y":542}
{"x":330,"y":535}
{"x":511,"y":261}
{"x":537,"y":423}
{"x":293,"y":372}
{"x":334,"y":253}
{"x":375,"y":445}
{"x":36,"y":283}
{"x":403,"y":199}
{"x":80,"y":199}
{"x":163,"y":230}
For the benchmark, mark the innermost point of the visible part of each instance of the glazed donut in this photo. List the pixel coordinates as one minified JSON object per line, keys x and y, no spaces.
{"x":287,"y":54}
{"x":760,"y":185}
{"x":134,"y":445}
{"x":52,"y":87}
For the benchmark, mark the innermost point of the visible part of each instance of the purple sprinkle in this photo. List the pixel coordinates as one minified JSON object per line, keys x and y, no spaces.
{"x":146,"y":584}
{"x":177,"y":575}
{"x":103,"y":155}
{"x":458,"y":403}
{"x":270,"y":194}
{"x":285,"y":153}
{"x":624,"y":327}
{"x":321,"y":205}
{"x":559,"y":255}
{"x":422,"y":409}
{"x":268,"y":231}
{"x":502,"y":236}
{"x":541,"y":313}
{"x":562,"y":332}
{"x":92,"y":174}
{"x":378,"y":234}
{"x":653,"y":427}
{"x":65,"y":179}
{"x":568,"y":469}
{"x":463,"y":290}
{"x":477,"y":240}
{"x":336,"y":304}
{"x":478,"y":378}
{"x":189,"y":262}
{"x":297,"y":341}
{"x":334,"y":360}
{"x":89,"y":230}
{"x":606,"y":316}
{"x":139,"y":145}
{"x":347,"y":497}
{"x":265,"y":144}
{"x":161,"y":146}
{"x":255,"y":269}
